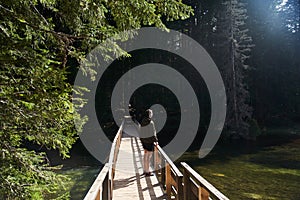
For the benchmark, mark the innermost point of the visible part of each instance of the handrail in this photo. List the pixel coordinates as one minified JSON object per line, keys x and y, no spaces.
{"x":182,"y":186}
{"x":103,"y":185}
{"x":196,"y":185}
{"x":176,"y":170}
{"x":169,"y":175}
{"x":115,"y":149}
{"x":99,"y":189}
{"x":113,"y":157}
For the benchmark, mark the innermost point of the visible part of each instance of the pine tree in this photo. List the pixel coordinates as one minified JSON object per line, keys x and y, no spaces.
{"x":236,"y":50}
{"x":38,"y":38}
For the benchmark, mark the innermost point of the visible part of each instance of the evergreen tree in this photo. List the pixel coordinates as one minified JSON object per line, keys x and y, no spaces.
{"x":231,"y":51}
{"x":38,"y":38}
{"x":220,"y":27}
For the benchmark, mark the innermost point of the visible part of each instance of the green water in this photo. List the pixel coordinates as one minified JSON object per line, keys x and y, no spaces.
{"x":81,"y":179}
{"x":268,"y":169}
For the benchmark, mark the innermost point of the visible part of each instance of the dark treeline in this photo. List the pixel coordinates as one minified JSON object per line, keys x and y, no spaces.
{"x":150,"y":94}
{"x":254,"y":45}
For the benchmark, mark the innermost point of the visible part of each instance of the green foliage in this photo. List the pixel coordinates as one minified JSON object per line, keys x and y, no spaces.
{"x":25,"y":175}
{"x":36,"y":40}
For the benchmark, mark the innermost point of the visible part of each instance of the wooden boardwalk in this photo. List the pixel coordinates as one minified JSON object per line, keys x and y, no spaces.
{"x":129,"y":183}
{"x":122,"y":176}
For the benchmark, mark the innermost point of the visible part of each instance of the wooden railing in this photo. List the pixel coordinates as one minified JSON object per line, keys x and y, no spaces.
{"x":114,"y":155}
{"x":103,"y":185}
{"x":187,"y":186}
{"x":168,"y":174}
{"x":196,"y":187}
{"x":100,"y":188}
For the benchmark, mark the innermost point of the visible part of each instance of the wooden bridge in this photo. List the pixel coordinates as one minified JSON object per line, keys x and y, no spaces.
{"x":121,"y":177}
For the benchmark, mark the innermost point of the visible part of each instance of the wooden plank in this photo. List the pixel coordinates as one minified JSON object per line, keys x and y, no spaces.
{"x":173,"y":178}
{"x":129,"y":183}
{"x":194,"y":189}
{"x":199,"y":195}
{"x":186,"y":186}
{"x":114,"y":153}
{"x":204,"y":193}
{"x":163,"y":172}
{"x":106,"y":189}
{"x":168,"y":180}
{"x":179,"y":180}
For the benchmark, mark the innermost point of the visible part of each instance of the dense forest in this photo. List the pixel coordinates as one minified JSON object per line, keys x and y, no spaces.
{"x":255,"y":46}
{"x":257,"y":60}
{"x":254,"y":43}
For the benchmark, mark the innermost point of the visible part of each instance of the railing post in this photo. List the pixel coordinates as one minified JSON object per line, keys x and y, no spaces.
{"x":110,"y":184}
{"x":180,"y":188}
{"x":163,"y":172}
{"x":168,"y":181}
{"x":204,"y":194}
{"x":204,"y":189}
{"x":98,"y":194}
{"x":200,"y":193}
{"x":105,"y":189}
{"x":187,"y":185}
